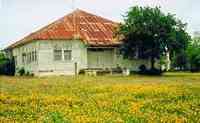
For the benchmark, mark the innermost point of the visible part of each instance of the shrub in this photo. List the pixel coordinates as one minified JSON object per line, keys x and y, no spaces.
{"x":31,"y":74}
{"x":82,"y":72}
{"x":21,"y":71}
{"x":27,"y":73}
{"x":154,"y":71}
{"x":142,"y":69}
{"x":117,"y":70}
{"x":7,"y":66}
{"x":145,"y":71}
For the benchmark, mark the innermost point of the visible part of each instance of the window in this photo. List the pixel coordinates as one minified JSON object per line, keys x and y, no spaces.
{"x":35,"y":55}
{"x":28,"y":58}
{"x":57,"y":55}
{"x":23,"y":58}
{"x":67,"y":55}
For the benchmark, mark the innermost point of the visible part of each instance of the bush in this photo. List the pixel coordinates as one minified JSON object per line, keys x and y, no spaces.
{"x":154,"y":71}
{"x":142,"y":69}
{"x":7,"y":66}
{"x":21,"y":71}
{"x":145,"y":71}
{"x":82,"y":72}
{"x":31,"y":74}
{"x":117,"y":70}
{"x":27,"y":73}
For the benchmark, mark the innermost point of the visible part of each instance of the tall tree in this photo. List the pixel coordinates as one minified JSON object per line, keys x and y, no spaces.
{"x":193,"y":52}
{"x":179,"y":55}
{"x":151,"y":33}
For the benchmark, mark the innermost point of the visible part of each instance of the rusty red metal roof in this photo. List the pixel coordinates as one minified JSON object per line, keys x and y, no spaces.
{"x":92,"y":29}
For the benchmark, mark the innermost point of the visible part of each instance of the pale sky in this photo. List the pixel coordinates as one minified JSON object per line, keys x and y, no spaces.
{"x":18,"y":18}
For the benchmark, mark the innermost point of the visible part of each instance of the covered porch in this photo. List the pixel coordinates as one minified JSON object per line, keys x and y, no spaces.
{"x":102,"y":60}
{"x":101,"y":57}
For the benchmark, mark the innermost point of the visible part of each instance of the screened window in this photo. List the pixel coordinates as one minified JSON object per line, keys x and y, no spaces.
{"x":67,"y":55}
{"x":57,"y":55}
{"x":30,"y":57}
{"x":35,"y":55}
{"x":23,"y":58}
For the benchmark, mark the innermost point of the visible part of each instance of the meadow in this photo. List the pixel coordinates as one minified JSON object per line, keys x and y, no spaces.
{"x":171,"y":98}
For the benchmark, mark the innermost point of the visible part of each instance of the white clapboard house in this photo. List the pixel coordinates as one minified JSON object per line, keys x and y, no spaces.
{"x":79,"y":40}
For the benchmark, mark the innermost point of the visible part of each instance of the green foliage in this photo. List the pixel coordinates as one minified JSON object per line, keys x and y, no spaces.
{"x":21,"y":71}
{"x":55,"y":117}
{"x":7,"y":66}
{"x":193,"y":52}
{"x":2,"y":59}
{"x":179,"y":55}
{"x":151,"y":33}
{"x":180,"y":61}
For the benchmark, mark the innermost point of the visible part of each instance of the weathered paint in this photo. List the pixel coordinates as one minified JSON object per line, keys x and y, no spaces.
{"x":84,"y":58}
{"x":47,"y":65}
{"x":109,"y":58}
{"x":17,"y":53}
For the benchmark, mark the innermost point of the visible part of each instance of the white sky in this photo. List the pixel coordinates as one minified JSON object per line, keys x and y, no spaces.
{"x":21,"y":17}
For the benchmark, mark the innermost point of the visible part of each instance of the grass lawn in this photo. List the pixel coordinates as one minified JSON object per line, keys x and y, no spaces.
{"x":173,"y":98}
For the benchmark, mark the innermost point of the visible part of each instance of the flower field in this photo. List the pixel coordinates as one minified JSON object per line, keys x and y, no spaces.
{"x":172,"y":98}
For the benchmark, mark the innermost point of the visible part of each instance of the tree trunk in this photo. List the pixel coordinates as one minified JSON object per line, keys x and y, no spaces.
{"x":152,"y":63}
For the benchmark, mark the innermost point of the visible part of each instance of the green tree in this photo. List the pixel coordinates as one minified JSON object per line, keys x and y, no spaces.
{"x":179,"y":54}
{"x":193,"y":52}
{"x":3,"y":61}
{"x":2,"y":57}
{"x":7,"y":66}
{"x":152,"y":34}
{"x":180,"y":60}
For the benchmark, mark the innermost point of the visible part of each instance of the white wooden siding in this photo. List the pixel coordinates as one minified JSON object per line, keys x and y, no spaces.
{"x":18,"y":51}
{"x":46,"y":65}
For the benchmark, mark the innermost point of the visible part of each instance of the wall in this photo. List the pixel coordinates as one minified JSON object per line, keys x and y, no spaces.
{"x":48,"y":66}
{"x":132,"y":64}
{"x":100,"y":59}
{"x":17,"y":53}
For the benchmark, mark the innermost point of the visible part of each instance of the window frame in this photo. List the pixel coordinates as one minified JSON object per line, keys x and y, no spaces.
{"x":35,"y":55}
{"x":64,"y":55}
{"x":23,"y":58}
{"x":54,"y":55}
